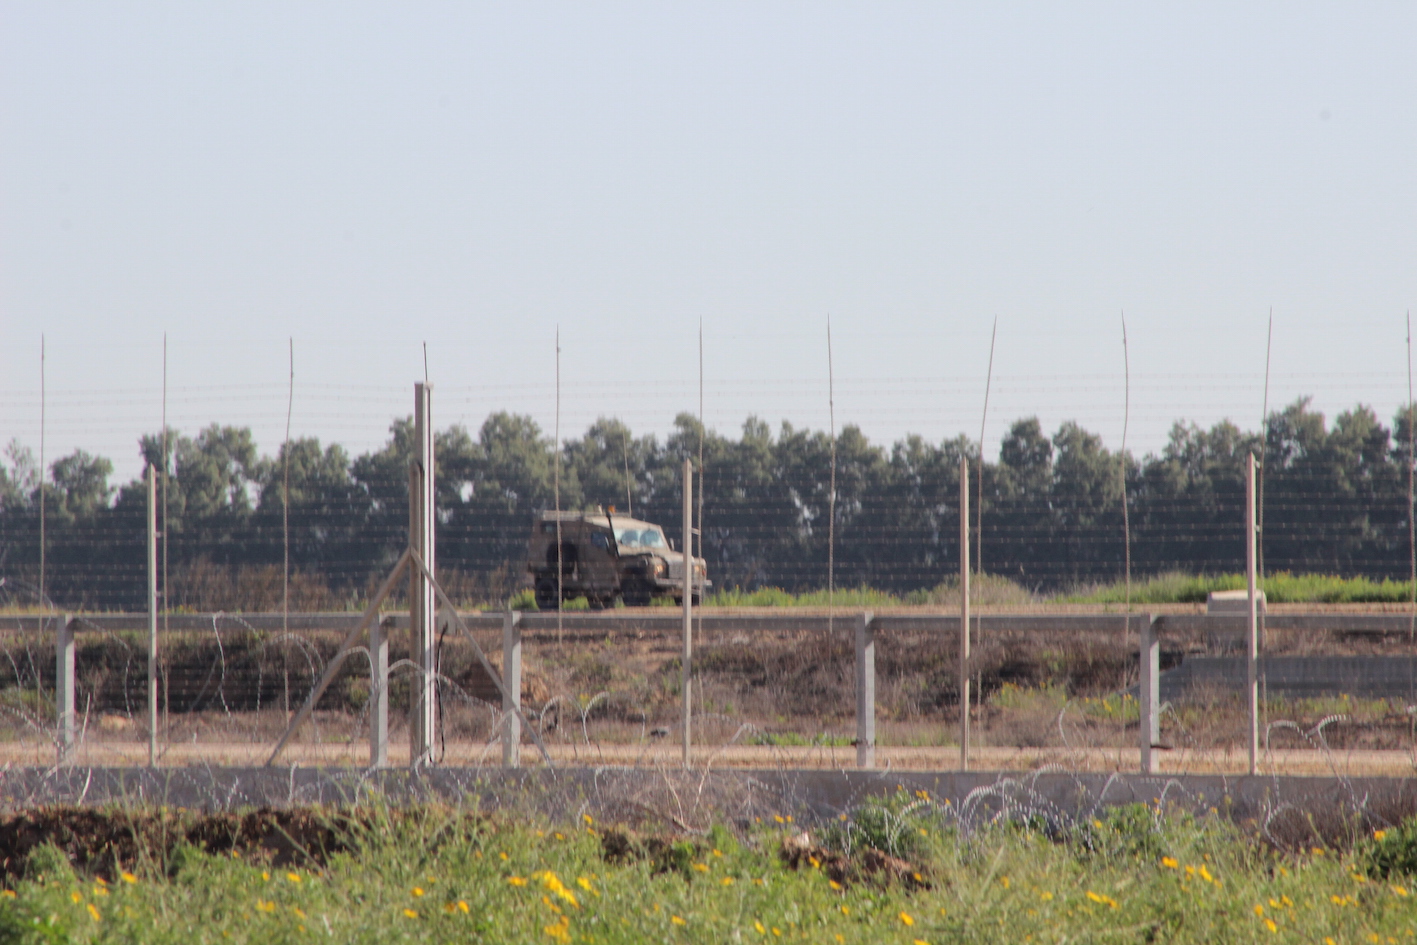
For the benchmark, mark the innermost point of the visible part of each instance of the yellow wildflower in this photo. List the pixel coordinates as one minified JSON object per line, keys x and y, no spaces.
{"x":293,"y":877}
{"x":1259,"y":909}
{"x":846,"y":910}
{"x":298,"y":913}
{"x":588,"y":819}
{"x":128,"y":877}
{"x":265,"y":877}
{"x":584,"y":883}
{"x":1379,"y":834}
{"x":701,"y":867}
{"x":1269,"y":924}
{"x":759,"y":926}
{"x":265,"y":906}
{"x":676,"y":920}
{"x":93,"y":911}
{"x":417,"y":891}
{"x":1170,"y":862}
{"x":834,"y":884}
{"x":516,"y":880}
{"x":462,"y":907}
{"x":726,"y":881}
{"x":553,"y":883}
{"x":560,"y":931}
{"x":410,"y":913}
{"x":1205,"y":875}
{"x":1400,"y":890}
{"x":77,"y":896}
{"x":503,"y":855}
{"x":1046,"y":896}
{"x":905,"y":919}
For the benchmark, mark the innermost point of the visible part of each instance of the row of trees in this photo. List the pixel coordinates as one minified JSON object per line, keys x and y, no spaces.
{"x":1335,"y":501}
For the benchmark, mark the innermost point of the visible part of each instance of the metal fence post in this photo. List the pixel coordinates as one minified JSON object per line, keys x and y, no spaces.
{"x":1252,"y":637}
{"x":865,"y":691}
{"x":423,"y":607}
{"x":688,"y":569}
{"x":64,"y":687}
{"x":152,"y":616}
{"x":511,"y":688}
{"x":1149,"y":696}
{"x":963,"y":614}
{"x":379,"y":693}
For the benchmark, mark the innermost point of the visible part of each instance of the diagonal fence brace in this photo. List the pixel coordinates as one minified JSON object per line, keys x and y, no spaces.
{"x":492,"y":674}
{"x":334,"y":664}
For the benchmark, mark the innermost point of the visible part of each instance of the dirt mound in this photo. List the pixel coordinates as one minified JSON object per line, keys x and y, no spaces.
{"x":106,"y":842}
{"x":867,"y":864}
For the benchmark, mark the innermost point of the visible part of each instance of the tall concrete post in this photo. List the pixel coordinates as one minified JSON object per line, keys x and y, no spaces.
{"x":865,"y":692}
{"x":688,"y":552}
{"x":378,"y":694}
{"x":152,"y":617}
{"x":1252,"y":637}
{"x":511,"y":688}
{"x":963,"y":614}
{"x":1149,"y":696}
{"x":423,"y":605}
{"x":64,"y":687}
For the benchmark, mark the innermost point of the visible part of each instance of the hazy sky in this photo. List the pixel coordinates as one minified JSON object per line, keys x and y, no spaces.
{"x":366,"y":178}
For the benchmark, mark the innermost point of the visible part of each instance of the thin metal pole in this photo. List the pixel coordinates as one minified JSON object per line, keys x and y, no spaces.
{"x":1126,"y":515}
{"x":1411,"y":526}
{"x":688,"y":604}
{"x":285,"y":509}
{"x":556,"y":493}
{"x":831,"y":491}
{"x":983,"y":419}
{"x":1264,"y":446}
{"x":512,"y":688}
{"x":43,"y":608}
{"x":964,"y":613}
{"x":152,"y":615}
{"x":1253,"y":638}
{"x":166,"y":603}
{"x":699,"y":496}
{"x":629,"y":497}
{"x":424,"y":609}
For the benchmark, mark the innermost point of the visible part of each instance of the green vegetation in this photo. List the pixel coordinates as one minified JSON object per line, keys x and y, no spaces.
{"x":1280,"y":588}
{"x":1335,"y":502}
{"x":1133,"y":874}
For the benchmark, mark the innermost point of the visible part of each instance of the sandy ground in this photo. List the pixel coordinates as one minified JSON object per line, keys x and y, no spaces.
{"x":240,"y":754}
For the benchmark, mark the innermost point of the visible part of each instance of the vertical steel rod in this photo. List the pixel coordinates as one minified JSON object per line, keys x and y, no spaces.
{"x":152,"y":616}
{"x":865,"y":692}
{"x":378,"y":694}
{"x":963,"y":613}
{"x":1149,"y":696}
{"x":1253,"y":637}
{"x":688,"y":570}
{"x":423,"y":607}
{"x":64,"y":686}
{"x":511,"y":688}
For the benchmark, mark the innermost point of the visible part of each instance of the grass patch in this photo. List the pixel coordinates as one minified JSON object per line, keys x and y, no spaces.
{"x":443,"y":876}
{"x":1280,"y":588}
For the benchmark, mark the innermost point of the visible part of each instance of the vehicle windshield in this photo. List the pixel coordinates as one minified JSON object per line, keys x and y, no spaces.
{"x":639,"y":538}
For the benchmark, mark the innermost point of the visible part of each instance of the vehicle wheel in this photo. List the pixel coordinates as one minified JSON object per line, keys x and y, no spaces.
{"x":696,"y":599}
{"x":637,"y":592}
{"x":545,"y":593}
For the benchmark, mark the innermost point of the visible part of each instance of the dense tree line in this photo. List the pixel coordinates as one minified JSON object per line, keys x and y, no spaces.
{"x":1335,"y":501}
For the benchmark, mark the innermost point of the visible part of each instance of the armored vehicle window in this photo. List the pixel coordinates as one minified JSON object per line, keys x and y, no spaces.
{"x":628,"y":537}
{"x":651,"y":538}
{"x":600,"y":540}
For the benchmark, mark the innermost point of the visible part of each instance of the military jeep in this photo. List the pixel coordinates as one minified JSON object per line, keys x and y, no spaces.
{"x":603,"y":556}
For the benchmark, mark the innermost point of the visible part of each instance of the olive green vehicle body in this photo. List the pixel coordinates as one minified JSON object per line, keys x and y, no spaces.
{"x":604,"y":556}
